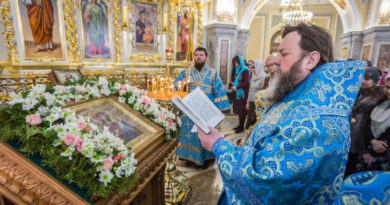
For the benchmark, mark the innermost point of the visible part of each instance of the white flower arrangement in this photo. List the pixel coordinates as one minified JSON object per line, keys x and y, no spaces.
{"x":101,"y":147}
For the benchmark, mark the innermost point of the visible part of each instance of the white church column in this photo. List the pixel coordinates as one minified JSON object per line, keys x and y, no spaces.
{"x":242,"y":42}
{"x":221,"y":44}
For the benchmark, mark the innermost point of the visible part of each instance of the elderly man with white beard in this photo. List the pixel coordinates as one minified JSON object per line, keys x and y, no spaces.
{"x":297,"y":152}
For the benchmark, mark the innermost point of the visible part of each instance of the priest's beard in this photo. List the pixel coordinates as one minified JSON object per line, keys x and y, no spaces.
{"x":284,"y":83}
{"x":199,"y":65}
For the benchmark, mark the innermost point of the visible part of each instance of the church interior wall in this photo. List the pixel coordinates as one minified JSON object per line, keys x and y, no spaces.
{"x":268,"y":21}
{"x":352,"y":23}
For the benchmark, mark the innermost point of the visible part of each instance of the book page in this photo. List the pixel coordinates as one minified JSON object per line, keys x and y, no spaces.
{"x":190,"y":114}
{"x":202,"y":106}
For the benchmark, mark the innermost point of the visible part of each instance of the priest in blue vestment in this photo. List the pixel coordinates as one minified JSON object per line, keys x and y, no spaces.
{"x":210,"y":83}
{"x":297,"y":152}
{"x":372,"y":187}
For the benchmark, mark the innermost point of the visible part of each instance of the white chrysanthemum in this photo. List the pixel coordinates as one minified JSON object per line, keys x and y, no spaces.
{"x":122,"y":99}
{"x":97,"y":158}
{"x":69,"y":97}
{"x":52,"y":117}
{"x":87,"y":149}
{"x":68,"y":152}
{"x":16,"y":98}
{"x":37,"y":90}
{"x":29,"y":103}
{"x":137,"y":93}
{"x":108,"y":151}
{"x":105,"y":90}
{"x":119,"y":173}
{"x":59,"y":89}
{"x":43,"y":111}
{"x":131,"y":100}
{"x":72,"y":118}
{"x":102,"y":81}
{"x":117,"y":86}
{"x":78,"y":97}
{"x":105,"y":176}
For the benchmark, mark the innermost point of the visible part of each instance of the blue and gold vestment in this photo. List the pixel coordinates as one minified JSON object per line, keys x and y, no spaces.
{"x":209,"y":81}
{"x":297,"y":153}
{"x":365,"y":188}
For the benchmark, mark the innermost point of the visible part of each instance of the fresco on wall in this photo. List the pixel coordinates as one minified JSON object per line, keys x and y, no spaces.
{"x":95,"y":29}
{"x":41,"y":29}
{"x":366,"y":51}
{"x":384,"y":56}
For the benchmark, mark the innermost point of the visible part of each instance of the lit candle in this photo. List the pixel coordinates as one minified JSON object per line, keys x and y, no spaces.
{"x":154,"y":86}
{"x":162,"y":85}
{"x":179,"y":89}
{"x":188,"y":85}
{"x":147,"y":85}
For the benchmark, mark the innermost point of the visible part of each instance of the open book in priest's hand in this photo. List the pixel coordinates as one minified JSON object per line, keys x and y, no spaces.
{"x":200,"y":109}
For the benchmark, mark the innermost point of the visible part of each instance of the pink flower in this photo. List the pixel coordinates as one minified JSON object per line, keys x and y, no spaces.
{"x":118,"y":157}
{"x":161,"y":117}
{"x":83,"y":90}
{"x":82,"y":124}
{"x":122,"y":91}
{"x":79,"y":144}
{"x":123,"y":87}
{"x":145,"y":101}
{"x":108,"y":162}
{"x":69,"y":139}
{"x":170,"y":122}
{"x":34,"y":119}
{"x":88,"y":128}
{"x":60,"y":88}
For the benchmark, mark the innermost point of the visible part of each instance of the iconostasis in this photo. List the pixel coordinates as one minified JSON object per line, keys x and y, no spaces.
{"x":98,"y":34}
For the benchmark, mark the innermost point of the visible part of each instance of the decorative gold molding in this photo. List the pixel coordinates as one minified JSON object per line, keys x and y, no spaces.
{"x":23,"y":181}
{"x":117,"y":30}
{"x":171,"y":21}
{"x":71,"y":31}
{"x":200,"y":6}
{"x":9,"y":33}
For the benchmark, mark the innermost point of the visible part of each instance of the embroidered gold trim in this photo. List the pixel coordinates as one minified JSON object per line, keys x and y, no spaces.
{"x":220,"y":99}
{"x":186,"y":146}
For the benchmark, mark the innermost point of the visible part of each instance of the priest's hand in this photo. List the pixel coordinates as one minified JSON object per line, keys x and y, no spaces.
{"x":208,"y":140}
{"x":234,"y":88}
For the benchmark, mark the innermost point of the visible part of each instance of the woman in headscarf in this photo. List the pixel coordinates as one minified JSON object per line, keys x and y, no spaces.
{"x":240,"y":90}
{"x":376,"y":155}
{"x":257,"y":82}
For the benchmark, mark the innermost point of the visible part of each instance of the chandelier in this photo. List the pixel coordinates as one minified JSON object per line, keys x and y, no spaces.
{"x":293,"y":12}
{"x":226,"y":10}
{"x":384,"y":13}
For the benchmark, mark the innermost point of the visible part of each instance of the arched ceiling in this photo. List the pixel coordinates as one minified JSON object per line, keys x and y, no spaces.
{"x":347,"y":10}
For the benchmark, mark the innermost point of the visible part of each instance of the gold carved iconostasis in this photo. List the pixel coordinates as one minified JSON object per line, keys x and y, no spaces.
{"x":98,"y":34}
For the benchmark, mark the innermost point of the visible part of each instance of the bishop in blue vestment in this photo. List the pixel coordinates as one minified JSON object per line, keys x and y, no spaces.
{"x":211,"y":84}
{"x":371,"y":187}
